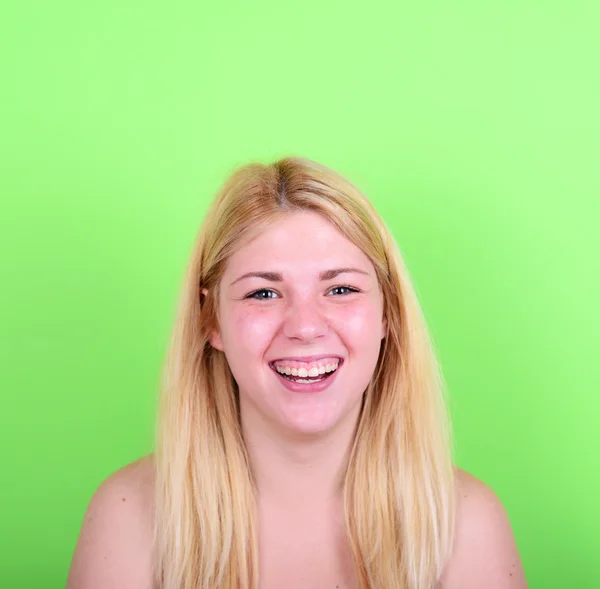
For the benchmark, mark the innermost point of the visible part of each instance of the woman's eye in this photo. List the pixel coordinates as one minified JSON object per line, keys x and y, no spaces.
{"x":259,"y":294}
{"x":255,"y":294}
{"x":348,"y":288}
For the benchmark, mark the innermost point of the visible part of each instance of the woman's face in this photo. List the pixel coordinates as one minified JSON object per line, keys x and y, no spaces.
{"x":296,"y":317}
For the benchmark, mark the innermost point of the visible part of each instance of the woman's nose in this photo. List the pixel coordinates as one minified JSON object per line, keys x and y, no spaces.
{"x":304,"y":320}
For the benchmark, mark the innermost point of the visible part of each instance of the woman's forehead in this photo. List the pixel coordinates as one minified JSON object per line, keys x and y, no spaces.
{"x":299,"y":236}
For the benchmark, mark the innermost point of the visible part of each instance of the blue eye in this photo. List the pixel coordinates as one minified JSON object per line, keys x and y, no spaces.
{"x":253,"y":295}
{"x":348,"y":288}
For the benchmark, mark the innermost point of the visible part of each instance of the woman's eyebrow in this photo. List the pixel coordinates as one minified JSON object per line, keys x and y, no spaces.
{"x":277,"y":277}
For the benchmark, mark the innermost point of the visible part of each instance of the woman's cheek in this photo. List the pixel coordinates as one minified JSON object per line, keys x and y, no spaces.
{"x":254,"y":326}
{"x":358,"y":320}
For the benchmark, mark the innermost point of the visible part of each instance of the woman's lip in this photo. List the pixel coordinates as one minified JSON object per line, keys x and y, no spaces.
{"x":313,"y":387}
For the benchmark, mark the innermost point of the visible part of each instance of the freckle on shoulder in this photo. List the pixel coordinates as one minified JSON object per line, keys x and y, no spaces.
{"x":132,"y":483}
{"x":469,"y":487}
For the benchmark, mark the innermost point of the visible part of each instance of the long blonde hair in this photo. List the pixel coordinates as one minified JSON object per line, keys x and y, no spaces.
{"x":399,"y":482}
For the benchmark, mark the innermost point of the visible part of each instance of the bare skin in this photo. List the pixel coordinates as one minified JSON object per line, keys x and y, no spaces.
{"x":301,"y":519}
{"x":114,"y":545}
{"x":113,"y":549}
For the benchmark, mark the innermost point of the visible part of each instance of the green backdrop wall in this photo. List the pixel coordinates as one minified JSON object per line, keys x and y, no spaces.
{"x":474,"y":128}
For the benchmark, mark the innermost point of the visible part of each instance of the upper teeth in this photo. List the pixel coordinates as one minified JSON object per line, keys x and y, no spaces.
{"x":314,"y":371}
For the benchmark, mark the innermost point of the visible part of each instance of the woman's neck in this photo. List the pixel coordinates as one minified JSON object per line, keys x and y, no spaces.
{"x":296,"y":469}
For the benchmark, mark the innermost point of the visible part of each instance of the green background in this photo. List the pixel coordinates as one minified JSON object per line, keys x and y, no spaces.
{"x":473,"y":126}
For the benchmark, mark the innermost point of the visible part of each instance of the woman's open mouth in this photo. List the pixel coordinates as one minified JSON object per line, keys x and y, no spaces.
{"x":308,"y":378}
{"x":302,"y":381}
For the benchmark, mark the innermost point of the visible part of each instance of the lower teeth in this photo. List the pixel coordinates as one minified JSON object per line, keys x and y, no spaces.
{"x":304,"y":381}
{"x":307,"y":381}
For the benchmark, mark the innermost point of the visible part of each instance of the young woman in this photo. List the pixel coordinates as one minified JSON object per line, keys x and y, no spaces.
{"x":302,"y":439}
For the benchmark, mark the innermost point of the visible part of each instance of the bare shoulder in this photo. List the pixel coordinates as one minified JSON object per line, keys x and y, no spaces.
{"x":114,"y":545}
{"x":485,"y":553}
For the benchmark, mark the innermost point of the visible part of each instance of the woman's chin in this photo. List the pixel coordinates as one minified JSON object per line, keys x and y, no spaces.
{"x":314,"y":424}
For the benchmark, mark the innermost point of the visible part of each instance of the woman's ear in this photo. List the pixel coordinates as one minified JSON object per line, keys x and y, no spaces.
{"x":215,"y":341}
{"x":215,"y":338}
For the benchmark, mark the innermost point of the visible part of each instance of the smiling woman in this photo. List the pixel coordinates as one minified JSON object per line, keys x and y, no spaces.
{"x":302,"y":439}
{"x":324,"y":313}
